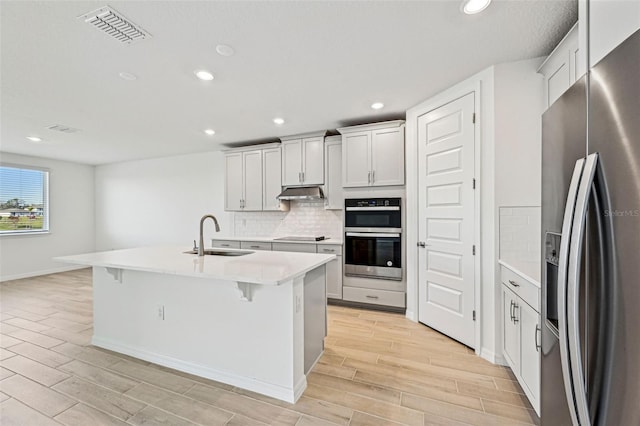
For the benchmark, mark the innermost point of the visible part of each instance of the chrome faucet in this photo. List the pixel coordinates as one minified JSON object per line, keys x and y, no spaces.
{"x":201,"y":246}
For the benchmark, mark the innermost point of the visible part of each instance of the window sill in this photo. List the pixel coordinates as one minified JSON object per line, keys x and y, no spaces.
{"x":32,"y":233}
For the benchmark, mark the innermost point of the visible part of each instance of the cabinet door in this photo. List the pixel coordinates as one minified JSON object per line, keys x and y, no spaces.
{"x":333,"y":176}
{"x":252,"y":180}
{"x":334,"y":278}
{"x":511,"y":342}
{"x":233,"y":181}
{"x":272,"y":178}
{"x":313,"y":161}
{"x":387,"y":156}
{"x":356,"y":159}
{"x":292,"y":162}
{"x":530,"y":351}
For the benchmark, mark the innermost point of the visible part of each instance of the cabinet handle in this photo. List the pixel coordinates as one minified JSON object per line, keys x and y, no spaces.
{"x":328,"y":250}
{"x":513,"y":283}
{"x":515,"y":317}
{"x":372,"y":297}
{"x":255,"y":247}
{"x":373,"y":177}
{"x":511,"y":311}
{"x":536,"y":337}
{"x":224,"y":245}
{"x":369,"y":178}
{"x":302,"y":177}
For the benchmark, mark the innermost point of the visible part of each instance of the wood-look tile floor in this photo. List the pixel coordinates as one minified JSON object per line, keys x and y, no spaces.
{"x":377,"y":369}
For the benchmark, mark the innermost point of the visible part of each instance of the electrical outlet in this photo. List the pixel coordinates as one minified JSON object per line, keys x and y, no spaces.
{"x":160,"y":310}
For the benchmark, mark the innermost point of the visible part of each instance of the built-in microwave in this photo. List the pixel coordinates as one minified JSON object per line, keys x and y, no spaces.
{"x":372,"y":215}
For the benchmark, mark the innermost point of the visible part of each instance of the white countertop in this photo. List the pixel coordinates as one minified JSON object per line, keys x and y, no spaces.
{"x":328,"y":240}
{"x":259,"y":267}
{"x":529,"y":270}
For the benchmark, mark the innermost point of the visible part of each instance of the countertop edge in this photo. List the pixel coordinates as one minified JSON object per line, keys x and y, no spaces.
{"x":330,"y":240}
{"x":519,"y":272}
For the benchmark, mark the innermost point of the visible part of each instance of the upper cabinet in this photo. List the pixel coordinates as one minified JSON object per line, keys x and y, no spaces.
{"x":243,"y":180}
{"x":303,"y":159}
{"x":562,"y":67}
{"x":373,"y":154}
{"x":334,"y":198}
{"x":272,"y":179}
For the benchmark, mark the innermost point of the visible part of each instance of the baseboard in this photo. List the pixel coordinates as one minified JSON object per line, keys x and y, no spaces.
{"x":40,"y":273}
{"x":411,"y":316}
{"x":269,"y":389}
{"x":492,"y":357}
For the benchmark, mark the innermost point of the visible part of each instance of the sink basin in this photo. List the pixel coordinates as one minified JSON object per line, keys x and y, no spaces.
{"x":217,"y":252}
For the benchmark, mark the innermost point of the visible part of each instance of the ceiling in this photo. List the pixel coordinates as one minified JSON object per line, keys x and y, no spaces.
{"x":317,"y":64}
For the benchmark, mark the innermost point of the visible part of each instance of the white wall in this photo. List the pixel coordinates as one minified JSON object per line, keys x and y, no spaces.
{"x":159,"y":201}
{"x":71,"y":221}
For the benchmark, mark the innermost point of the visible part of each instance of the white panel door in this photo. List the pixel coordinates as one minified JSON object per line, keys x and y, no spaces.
{"x":252,"y":180}
{"x":272,"y":178}
{"x":387,"y":156}
{"x":233,"y":181}
{"x":333,"y":176}
{"x":292,"y":162}
{"x":446,"y":219}
{"x":313,"y":161}
{"x":356,"y":159}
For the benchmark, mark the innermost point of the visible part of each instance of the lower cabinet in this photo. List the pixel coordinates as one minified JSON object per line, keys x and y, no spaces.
{"x":521,"y":339}
{"x":334,"y":270}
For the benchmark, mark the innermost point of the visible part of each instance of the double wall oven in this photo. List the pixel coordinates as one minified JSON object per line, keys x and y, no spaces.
{"x":373,"y":238}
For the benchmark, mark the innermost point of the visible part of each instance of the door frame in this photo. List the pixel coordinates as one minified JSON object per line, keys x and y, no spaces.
{"x":473,"y":85}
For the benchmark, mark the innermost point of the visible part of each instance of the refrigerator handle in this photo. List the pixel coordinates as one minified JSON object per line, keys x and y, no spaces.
{"x":563,"y":262}
{"x":573,"y":288}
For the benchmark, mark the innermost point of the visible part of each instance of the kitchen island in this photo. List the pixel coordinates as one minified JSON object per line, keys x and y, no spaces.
{"x":256,"y":321}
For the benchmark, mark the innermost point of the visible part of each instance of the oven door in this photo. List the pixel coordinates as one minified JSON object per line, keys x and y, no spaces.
{"x":373,"y":255}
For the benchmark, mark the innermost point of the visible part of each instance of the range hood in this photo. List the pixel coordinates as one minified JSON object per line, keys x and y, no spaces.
{"x":302,"y":193}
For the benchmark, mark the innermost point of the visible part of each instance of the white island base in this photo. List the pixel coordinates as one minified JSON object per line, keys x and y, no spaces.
{"x":256,"y":336}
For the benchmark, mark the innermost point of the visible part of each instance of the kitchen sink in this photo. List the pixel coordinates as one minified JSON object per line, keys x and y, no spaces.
{"x":216,"y":252}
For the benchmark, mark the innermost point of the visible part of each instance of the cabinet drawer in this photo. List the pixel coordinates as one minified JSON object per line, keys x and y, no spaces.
{"x":524,"y":288}
{"x":376,"y":297}
{"x":295,"y":247}
{"x":255,"y":245}
{"x":225,"y":244}
{"x":330,"y":249}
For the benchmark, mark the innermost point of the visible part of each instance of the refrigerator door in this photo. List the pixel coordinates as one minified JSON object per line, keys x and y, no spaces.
{"x":613,"y":235}
{"x":564,"y":142}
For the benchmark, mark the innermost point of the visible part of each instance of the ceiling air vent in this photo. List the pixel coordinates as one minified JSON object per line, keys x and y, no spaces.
{"x":62,"y":128}
{"x":115,"y":25}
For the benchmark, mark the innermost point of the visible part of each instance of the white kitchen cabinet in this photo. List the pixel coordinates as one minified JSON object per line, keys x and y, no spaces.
{"x":334,"y":197}
{"x":373,"y":154}
{"x":243,"y":180}
{"x":521,"y":332}
{"x":303,"y":159}
{"x":561,"y":68}
{"x":272,"y":180}
{"x":334,"y":270}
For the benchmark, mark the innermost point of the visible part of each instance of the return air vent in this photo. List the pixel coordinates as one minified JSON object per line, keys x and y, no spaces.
{"x":115,"y":25}
{"x":62,"y":128}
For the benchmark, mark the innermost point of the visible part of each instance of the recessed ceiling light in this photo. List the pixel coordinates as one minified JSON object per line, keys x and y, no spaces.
{"x":210,"y":132}
{"x":225,"y":50}
{"x":377,"y":105}
{"x":278,"y":120}
{"x":34,"y":139}
{"x":204,"y":75}
{"x":128,"y":76}
{"x":474,"y":6}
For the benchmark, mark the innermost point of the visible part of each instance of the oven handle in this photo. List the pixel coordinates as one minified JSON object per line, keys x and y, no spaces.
{"x":371,"y":234}
{"x":377,"y":209}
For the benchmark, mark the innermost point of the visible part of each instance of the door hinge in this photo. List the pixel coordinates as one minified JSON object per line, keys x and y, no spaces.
{"x":474,"y":183}
{"x":473,"y":119}
{"x":474,"y":315}
{"x":473,"y":250}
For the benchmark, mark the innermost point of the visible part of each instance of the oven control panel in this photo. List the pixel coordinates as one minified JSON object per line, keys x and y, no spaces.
{"x":372,"y":202}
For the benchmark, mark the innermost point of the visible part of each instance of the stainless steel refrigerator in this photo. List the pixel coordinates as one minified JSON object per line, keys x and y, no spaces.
{"x":591,"y":247}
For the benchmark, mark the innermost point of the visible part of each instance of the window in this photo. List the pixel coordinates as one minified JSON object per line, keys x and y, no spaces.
{"x":24,"y":200}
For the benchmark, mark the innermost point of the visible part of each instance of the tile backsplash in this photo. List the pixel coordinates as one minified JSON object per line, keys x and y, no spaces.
{"x":303,"y":218}
{"x":520,"y":234}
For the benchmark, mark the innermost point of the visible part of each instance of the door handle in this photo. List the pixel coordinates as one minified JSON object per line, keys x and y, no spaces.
{"x":535,"y":336}
{"x":573,"y":287}
{"x":563,"y":262}
{"x":422,"y":244}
